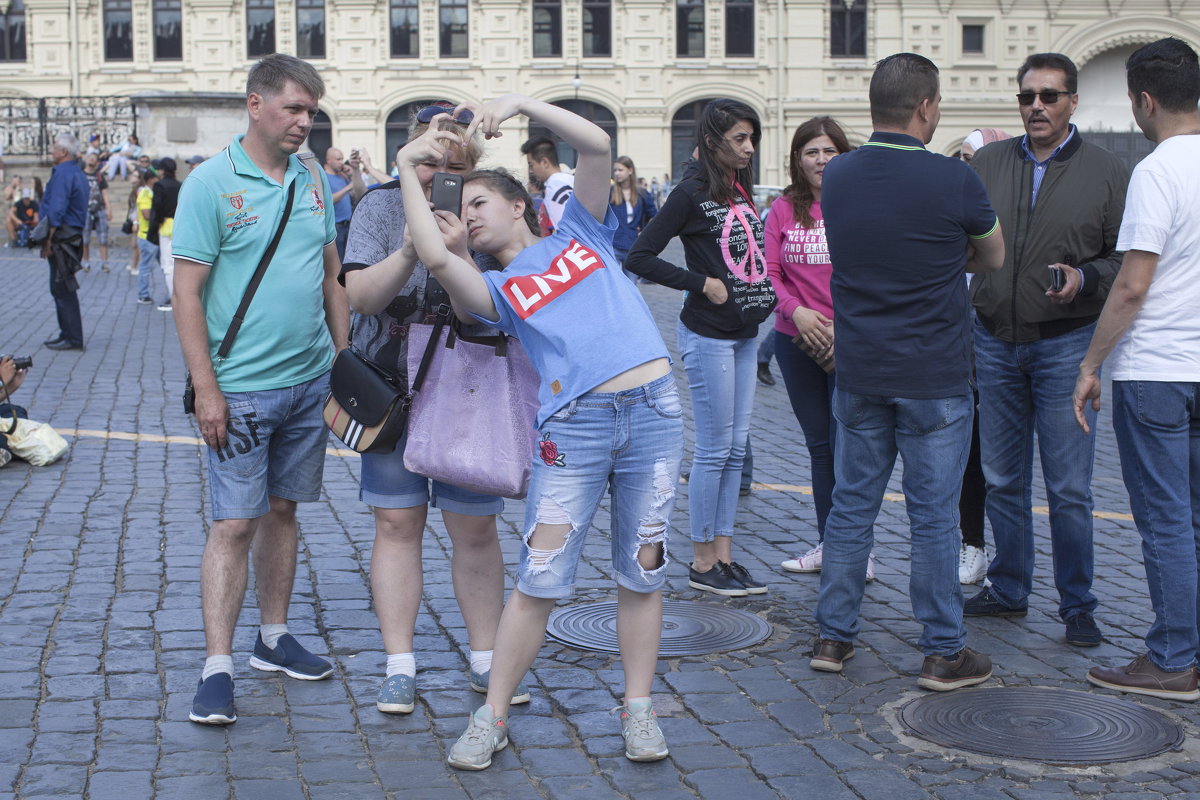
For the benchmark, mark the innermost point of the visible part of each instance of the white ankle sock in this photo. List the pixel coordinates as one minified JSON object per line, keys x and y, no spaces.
{"x":270,"y":634}
{"x":215,"y":664}
{"x":481,"y":661}
{"x":401,"y":664}
{"x":635,"y":703}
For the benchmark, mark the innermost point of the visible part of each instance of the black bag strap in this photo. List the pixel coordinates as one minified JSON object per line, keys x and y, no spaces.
{"x":239,"y":316}
{"x":443,"y":316}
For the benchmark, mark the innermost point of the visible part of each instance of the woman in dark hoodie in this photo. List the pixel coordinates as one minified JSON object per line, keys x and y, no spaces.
{"x":728,"y":295}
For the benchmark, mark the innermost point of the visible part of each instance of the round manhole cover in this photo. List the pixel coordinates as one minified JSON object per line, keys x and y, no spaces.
{"x":689,"y":629}
{"x":1053,"y":726}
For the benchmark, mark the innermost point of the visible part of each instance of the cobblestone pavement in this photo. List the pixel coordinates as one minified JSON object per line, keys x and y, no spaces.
{"x":102,"y":640}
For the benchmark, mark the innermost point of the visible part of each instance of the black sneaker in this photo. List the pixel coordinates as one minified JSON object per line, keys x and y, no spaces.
{"x":1082,"y":630}
{"x":964,"y":668}
{"x":752,"y":584}
{"x":764,"y":374}
{"x":718,"y":580}
{"x":986,"y":604}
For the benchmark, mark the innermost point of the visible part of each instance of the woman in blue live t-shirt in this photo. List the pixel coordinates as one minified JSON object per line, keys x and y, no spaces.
{"x":609,"y":411}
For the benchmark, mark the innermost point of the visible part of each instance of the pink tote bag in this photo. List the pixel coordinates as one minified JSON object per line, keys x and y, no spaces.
{"x":472,"y":417}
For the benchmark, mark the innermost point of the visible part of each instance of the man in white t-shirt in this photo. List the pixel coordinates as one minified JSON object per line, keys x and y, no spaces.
{"x":558,"y":186}
{"x":1151,"y":328}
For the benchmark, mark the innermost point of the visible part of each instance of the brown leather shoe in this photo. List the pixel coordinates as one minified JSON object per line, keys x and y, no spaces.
{"x":829,"y":655}
{"x":1140,"y":676}
{"x":966,"y":668}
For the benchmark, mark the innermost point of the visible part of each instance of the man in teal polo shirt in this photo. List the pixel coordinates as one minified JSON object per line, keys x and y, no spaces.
{"x":259,"y":409}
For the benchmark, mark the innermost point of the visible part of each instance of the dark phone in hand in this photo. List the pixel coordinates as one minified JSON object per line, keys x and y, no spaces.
{"x":446,"y":192}
{"x":1056,"y":279}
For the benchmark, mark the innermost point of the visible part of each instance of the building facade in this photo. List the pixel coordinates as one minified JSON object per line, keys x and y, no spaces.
{"x":640,"y":68}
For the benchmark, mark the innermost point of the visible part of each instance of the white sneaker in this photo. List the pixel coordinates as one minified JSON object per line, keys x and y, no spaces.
{"x":972,"y":564}
{"x":809,"y":562}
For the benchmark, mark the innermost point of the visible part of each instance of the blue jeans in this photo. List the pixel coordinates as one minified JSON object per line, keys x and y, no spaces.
{"x":933,"y":437}
{"x":810,"y":390}
{"x":1158,"y":435}
{"x":1025,"y":388}
{"x":385,"y":482}
{"x":147,"y":258}
{"x":275,"y":447}
{"x":630,"y":442}
{"x":721,"y":375}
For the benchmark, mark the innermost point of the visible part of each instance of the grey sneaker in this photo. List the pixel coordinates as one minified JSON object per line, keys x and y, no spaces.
{"x":644,"y":740}
{"x":485,"y":734}
{"x":479,"y":682}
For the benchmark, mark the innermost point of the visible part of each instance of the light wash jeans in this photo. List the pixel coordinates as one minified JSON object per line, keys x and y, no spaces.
{"x":721,"y":375}
{"x":147,"y":258}
{"x":933,"y":436}
{"x":630,"y":442}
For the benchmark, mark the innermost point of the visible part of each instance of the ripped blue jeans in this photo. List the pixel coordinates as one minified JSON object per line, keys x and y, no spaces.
{"x":631,"y":441}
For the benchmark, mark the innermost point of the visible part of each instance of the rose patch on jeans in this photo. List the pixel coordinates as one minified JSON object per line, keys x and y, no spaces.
{"x":550,"y":453}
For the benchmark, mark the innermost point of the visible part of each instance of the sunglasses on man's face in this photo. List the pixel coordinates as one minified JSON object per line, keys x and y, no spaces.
{"x":1049,"y":97}
{"x":426,"y":114}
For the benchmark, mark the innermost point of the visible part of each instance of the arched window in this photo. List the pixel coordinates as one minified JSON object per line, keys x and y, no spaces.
{"x":320,"y":136}
{"x":396,"y":131}
{"x":683,"y":136}
{"x":588,"y":110}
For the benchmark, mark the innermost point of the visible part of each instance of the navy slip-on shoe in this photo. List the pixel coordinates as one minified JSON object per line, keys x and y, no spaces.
{"x":213,"y":703}
{"x":290,"y":658}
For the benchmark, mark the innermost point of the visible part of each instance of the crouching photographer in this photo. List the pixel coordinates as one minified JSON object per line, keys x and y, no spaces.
{"x":20,"y":437}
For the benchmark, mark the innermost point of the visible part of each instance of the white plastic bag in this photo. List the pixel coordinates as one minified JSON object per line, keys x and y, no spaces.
{"x":36,"y":442}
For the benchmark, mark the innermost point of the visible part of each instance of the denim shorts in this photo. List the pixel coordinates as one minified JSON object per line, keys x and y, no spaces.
{"x":275,"y":448}
{"x":386,"y":483}
{"x":630,"y":441}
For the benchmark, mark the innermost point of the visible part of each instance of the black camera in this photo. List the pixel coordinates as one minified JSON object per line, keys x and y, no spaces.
{"x":20,"y":362}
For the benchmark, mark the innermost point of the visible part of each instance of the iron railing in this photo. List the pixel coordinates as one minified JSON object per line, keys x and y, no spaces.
{"x":28,"y":125}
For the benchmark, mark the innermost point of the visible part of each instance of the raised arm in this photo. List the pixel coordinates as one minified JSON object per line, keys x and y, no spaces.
{"x":462,"y":281}
{"x":594,"y":168}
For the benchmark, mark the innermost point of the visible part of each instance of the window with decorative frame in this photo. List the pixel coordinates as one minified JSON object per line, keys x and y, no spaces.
{"x":452,"y":28}
{"x":260,"y":28}
{"x":12,"y":31}
{"x":405,"y":28}
{"x":118,"y":30}
{"x":168,"y":30}
{"x":597,"y":28}
{"x":739,"y":28}
{"x":848,"y":28}
{"x":310,"y":28}
{"x":689,"y":28}
{"x":547,"y":28}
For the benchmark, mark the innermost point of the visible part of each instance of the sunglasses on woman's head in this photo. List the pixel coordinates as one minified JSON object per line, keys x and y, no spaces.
{"x":1049,"y":97}
{"x":426,"y":114}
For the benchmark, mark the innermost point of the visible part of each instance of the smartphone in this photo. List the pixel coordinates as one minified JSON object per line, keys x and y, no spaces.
{"x":1056,"y":279}
{"x":446,"y":192}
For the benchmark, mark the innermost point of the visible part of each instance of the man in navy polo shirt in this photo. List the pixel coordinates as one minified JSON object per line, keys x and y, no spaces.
{"x":903,"y":227}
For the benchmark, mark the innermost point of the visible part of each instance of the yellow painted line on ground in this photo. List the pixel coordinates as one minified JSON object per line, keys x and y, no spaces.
{"x":341,"y":452}
{"x":893,"y":497}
